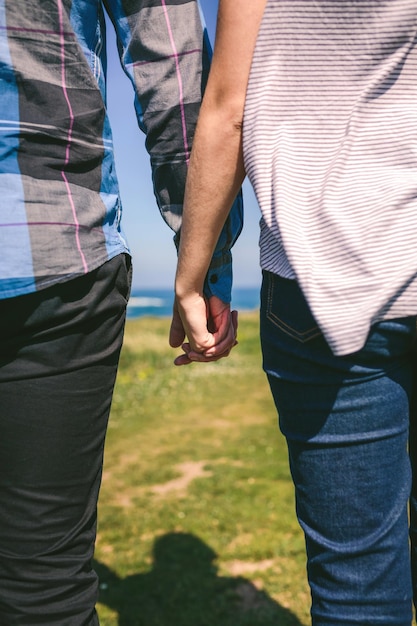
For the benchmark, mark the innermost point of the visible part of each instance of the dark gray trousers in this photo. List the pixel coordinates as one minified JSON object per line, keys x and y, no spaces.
{"x":59,"y":351}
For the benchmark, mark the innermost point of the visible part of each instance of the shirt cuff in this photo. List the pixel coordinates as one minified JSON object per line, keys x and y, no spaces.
{"x":219,"y":277}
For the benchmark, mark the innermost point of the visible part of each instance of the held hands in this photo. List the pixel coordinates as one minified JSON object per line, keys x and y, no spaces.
{"x":209,"y":325}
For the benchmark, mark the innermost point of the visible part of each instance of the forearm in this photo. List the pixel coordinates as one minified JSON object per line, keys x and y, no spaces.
{"x":216,"y":169}
{"x":215,"y":176}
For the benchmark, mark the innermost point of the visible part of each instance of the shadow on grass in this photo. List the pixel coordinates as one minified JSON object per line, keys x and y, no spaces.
{"x":184,"y":589}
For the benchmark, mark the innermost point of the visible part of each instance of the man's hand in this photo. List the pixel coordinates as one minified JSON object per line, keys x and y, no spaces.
{"x":209,"y":325}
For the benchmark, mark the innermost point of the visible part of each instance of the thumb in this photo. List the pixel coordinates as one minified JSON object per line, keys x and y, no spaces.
{"x":176,"y":331}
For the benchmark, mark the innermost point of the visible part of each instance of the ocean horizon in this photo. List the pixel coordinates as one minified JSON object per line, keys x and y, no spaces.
{"x":159,"y":302}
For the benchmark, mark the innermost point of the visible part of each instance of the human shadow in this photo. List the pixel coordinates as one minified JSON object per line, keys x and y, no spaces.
{"x":183,"y":588}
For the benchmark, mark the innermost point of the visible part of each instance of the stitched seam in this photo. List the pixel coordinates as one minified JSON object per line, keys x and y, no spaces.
{"x":301,"y":336}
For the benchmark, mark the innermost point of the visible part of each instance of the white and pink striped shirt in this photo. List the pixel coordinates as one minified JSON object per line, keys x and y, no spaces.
{"x":330,"y":144}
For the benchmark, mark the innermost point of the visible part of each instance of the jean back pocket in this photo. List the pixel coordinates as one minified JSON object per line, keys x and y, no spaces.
{"x":286,"y":308}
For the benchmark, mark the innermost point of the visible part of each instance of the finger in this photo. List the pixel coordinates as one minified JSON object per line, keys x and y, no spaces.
{"x":182,"y":359}
{"x":176,"y":331}
{"x":225,"y":338}
{"x":200,"y":339}
{"x":235,"y":320}
{"x":222,"y":347}
{"x":189,"y":356}
{"x":198,"y":357}
{"x":203,"y":357}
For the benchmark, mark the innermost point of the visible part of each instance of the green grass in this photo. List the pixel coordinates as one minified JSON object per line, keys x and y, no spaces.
{"x":196,"y":514}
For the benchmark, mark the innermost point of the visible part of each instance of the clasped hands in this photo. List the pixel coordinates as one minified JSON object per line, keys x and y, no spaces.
{"x":208,"y":324}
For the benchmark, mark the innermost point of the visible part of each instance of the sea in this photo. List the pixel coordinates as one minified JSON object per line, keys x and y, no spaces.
{"x":158,"y":302}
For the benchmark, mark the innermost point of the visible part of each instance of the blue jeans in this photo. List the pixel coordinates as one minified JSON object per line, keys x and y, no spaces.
{"x":346,"y":421}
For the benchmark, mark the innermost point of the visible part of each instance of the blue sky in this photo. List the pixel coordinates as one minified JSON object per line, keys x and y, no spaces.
{"x":149,"y":238}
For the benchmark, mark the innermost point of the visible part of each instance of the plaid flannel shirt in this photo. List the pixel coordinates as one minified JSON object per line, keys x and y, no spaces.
{"x":60,"y":208}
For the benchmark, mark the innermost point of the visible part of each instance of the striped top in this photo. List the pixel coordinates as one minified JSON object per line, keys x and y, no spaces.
{"x":330,"y":144}
{"x":60,"y":209}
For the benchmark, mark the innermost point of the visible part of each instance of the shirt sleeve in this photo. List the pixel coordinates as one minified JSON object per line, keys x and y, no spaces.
{"x":164,"y":49}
